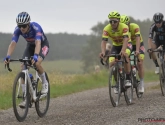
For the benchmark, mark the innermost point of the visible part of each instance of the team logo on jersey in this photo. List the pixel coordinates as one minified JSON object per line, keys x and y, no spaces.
{"x":105,"y":33}
{"x":39,"y":34}
{"x":125,"y":30}
{"x":129,"y":45}
{"x":36,"y":28}
{"x":136,"y":30}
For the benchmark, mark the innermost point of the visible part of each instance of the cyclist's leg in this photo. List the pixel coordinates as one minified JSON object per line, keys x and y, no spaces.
{"x":43,"y":52}
{"x":155,"y":44}
{"x":140,"y":67}
{"x":127,"y":65}
{"x":115,"y":50}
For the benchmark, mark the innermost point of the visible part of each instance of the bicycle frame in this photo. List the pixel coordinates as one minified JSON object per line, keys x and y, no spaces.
{"x":27,"y":80}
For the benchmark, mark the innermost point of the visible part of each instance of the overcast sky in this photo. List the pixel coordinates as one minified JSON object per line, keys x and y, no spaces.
{"x":74,"y":16}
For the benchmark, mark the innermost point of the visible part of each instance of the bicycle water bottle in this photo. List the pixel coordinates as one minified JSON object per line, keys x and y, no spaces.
{"x":134,"y":71}
{"x":32,"y":81}
{"x":31,"y":77}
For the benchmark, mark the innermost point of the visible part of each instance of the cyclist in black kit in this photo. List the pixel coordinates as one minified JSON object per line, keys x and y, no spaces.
{"x":156,"y":37}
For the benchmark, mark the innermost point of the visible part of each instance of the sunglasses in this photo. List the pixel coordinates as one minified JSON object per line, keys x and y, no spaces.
{"x":157,"y":22}
{"x":113,"y":21}
{"x":23,"y":26}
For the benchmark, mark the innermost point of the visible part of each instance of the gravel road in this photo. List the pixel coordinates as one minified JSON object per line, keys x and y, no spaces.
{"x":93,"y":107}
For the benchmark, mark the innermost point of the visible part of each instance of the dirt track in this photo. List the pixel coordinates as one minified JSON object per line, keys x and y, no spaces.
{"x":93,"y":107}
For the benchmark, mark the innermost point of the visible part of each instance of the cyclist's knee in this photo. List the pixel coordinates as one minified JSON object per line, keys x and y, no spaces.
{"x":128,"y":52}
{"x":141,"y":57}
{"x":111,"y":59}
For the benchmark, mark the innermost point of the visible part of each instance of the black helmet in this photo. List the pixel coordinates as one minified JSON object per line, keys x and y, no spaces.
{"x":158,"y":17}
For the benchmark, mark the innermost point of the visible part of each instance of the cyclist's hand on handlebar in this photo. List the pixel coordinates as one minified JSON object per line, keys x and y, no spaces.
{"x":122,"y":53}
{"x":149,"y":50}
{"x":6,"y":59}
{"x":137,"y":53}
{"x":102,"y":54}
{"x":35,"y":58}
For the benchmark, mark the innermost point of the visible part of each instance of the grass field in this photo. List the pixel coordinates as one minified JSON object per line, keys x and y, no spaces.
{"x":65,"y":78}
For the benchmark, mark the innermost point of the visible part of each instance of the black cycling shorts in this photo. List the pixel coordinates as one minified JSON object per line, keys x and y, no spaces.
{"x":141,"y":49}
{"x":30,"y":49}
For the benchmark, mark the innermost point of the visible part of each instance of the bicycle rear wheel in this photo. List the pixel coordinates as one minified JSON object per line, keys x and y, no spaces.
{"x":128,"y":93}
{"x":42,"y":104}
{"x":114,"y":83}
{"x":19,"y":96}
{"x":136,"y":84}
{"x":162,"y":79}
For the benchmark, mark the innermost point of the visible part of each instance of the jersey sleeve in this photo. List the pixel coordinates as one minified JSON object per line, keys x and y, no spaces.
{"x":16,"y":35}
{"x":38,"y":32}
{"x":151,"y":32}
{"x":137,"y":30}
{"x":125,"y":31}
{"x":105,"y":34}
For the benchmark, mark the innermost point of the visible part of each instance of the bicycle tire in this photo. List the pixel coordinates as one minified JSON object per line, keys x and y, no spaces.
{"x":37,"y":103}
{"x":129,"y":97}
{"x":162,"y":80}
{"x":136,"y":84}
{"x":16,"y":108}
{"x":114,"y":101}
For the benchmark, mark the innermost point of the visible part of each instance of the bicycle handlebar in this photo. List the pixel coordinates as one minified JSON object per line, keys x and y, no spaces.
{"x":156,"y":50}
{"x":116,"y":56}
{"x":20,"y":60}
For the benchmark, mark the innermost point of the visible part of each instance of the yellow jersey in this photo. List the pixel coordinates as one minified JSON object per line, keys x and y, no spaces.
{"x":134,"y":31}
{"x":116,"y":36}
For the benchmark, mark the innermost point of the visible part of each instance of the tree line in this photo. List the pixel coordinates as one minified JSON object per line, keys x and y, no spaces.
{"x":76,"y":47}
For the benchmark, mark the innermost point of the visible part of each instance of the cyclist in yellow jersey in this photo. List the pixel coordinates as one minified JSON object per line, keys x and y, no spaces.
{"x":138,"y":47}
{"x":120,"y":38}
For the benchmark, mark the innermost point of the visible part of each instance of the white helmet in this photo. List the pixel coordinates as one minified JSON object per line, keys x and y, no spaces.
{"x":23,"y":18}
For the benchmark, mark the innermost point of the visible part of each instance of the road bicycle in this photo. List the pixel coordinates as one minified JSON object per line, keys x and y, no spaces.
{"x":28,"y":90}
{"x":161,"y":54}
{"x":117,"y":79}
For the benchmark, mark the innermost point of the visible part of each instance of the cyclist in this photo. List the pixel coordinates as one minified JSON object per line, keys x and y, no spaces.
{"x":119,"y":35}
{"x":156,"y":37}
{"x":37,"y":45}
{"x":138,"y":47}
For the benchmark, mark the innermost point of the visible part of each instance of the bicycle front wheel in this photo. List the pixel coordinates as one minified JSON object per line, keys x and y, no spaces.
{"x":114,"y":86}
{"x":162,"y":79}
{"x":20,"y":98}
{"x":42,"y":104}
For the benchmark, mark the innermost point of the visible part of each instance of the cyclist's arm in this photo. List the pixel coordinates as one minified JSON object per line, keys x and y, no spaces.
{"x":13,"y":42}
{"x":125,"y":43}
{"x":151,"y":34}
{"x":37,"y":47}
{"x":137,"y":42}
{"x":149,"y":42}
{"x":126,"y":37}
{"x":103,"y":46}
{"x":137,"y":34}
{"x":105,"y":37}
{"x":11,"y":48}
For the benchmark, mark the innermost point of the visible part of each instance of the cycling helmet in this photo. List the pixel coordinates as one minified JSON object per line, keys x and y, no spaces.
{"x":158,"y":17}
{"x":124,"y":19}
{"x":23,"y":18}
{"x":114,"y":14}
